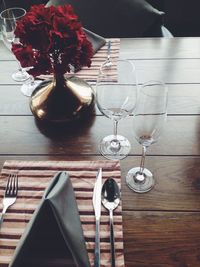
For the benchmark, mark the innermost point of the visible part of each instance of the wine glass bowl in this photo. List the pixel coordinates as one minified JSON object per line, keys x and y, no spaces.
{"x":116,"y":98}
{"x":8,"y":22}
{"x":148,"y":122}
{"x":9,"y":18}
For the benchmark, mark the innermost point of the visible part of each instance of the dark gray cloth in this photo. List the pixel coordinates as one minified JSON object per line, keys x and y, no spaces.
{"x":115,"y":18}
{"x":96,"y":40}
{"x":54,"y":235}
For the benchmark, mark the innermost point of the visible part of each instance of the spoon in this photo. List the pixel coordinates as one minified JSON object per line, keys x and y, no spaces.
{"x":110,"y":197}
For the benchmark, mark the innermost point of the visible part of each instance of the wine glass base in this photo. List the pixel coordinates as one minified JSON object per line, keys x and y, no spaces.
{"x":139,"y":185}
{"x":109,"y":151}
{"x":20,"y":76}
{"x":27,"y":89}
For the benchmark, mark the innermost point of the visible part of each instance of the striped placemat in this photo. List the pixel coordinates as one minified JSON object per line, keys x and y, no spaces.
{"x":34,"y":177}
{"x":91,"y":74}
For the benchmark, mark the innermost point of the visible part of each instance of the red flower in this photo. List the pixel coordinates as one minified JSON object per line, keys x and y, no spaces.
{"x":50,"y":40}
{"x":43,"y":65}
{"x":24,"y":54}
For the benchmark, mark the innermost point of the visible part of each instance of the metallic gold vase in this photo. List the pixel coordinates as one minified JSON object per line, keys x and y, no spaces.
{"x":62,"y":99}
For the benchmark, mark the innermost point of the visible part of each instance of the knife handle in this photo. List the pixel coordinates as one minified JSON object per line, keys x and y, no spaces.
{"x":97,"y":245}
{"x":109,"y":50}
{"x":1,"y":219}
{"x":112,"y":239}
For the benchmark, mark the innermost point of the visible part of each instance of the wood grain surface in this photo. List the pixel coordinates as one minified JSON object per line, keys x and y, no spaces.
{"x":161,"y":227}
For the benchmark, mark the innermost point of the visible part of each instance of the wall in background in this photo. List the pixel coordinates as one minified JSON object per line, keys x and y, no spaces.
{"x":20,"y":3}
{"x":182,"y":16}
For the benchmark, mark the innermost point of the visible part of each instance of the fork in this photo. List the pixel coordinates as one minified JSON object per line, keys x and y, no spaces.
{"x":108,"y":63}
{"x":10,"y":194}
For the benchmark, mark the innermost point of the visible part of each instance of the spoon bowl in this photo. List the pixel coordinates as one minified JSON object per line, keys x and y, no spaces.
{"x":110,"y":194}
{"x":110,"y":197}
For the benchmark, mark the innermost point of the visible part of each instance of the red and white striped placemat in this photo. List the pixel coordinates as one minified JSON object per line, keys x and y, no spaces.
{"x":34,"y":177}
{"x":91,"y":74}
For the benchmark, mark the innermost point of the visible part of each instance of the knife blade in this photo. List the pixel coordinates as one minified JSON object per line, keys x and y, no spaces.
{"x":97,"y":209}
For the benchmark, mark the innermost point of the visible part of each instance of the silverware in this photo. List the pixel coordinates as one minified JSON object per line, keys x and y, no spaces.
{"x":108,"y":63}
{"x":10,"y":195}
{"x":97,"y":209}
{"x":110,"y":199}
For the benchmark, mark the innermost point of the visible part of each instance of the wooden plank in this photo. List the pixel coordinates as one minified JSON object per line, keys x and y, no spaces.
{"x":21,"y":135}
{"x":5,"y":53}
{"x":161,"y":239}
{"x":177,"y":184}
{"x":183,"y":99}
{"x":160,"y":48}
{"x":12,"y":101}
{"x":169,"y":71}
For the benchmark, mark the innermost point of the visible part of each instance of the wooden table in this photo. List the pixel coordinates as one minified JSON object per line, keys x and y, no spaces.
{"x":161,"y":227}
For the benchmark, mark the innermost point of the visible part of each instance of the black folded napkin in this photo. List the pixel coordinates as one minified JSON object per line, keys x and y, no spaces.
{"x":96,"y":40}
{"x":54,"y":235}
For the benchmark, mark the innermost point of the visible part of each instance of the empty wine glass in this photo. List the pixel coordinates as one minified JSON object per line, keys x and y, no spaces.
{"x":116,"y":99}
{"x":9,"y":18}
{"x":149,"y":118}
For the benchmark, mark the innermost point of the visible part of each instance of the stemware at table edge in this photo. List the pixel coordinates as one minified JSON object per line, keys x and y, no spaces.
{"x":29,"y":86}
{"x":149,"y":118}
{"x":116,"y":99}
{"x":9,"y":18}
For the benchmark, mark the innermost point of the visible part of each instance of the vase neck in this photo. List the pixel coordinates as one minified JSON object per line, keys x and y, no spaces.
{"x":59,"y":81}
{"x":59,"y":78}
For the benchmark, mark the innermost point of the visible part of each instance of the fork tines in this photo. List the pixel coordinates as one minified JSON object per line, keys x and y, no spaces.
{"x":12,"y":185}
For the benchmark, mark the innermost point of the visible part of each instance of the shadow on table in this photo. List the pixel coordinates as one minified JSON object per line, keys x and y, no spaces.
{"x":57,"y":130}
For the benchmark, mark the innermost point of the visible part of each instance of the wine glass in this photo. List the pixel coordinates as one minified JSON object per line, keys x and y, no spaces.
{"x":116,"y":99}
{"x":9,"y":18}
{"x":29,"y":86}
{"x":149,"y":118}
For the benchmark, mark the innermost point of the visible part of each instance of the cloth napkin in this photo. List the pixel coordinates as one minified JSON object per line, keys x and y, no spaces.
{"x":54,"y":231}
{"x":96,"y":40}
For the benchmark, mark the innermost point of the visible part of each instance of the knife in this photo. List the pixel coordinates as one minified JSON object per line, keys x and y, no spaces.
{"x":97,"y":209}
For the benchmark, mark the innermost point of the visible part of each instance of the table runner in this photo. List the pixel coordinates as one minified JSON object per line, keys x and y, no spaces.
{"x":34,"y":176}
{"x":91,"y":74}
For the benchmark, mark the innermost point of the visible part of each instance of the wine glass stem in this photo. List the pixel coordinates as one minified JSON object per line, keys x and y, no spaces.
{"x":144,"y":149}
{"x":115,"y":143}
{"x":19,"y":67}
{"x":115,"y":128}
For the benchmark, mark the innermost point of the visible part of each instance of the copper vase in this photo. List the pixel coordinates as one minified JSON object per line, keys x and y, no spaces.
{"x":62,"y":99}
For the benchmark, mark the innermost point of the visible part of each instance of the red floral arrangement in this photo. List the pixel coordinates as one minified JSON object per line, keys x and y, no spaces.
{"x":51,"y":39}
